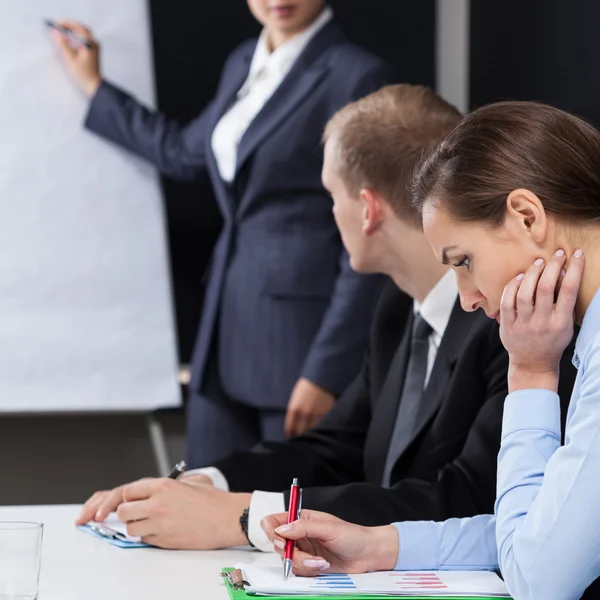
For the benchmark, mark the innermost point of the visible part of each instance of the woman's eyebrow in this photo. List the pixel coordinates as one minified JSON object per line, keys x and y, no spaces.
{"x":445,"y":253}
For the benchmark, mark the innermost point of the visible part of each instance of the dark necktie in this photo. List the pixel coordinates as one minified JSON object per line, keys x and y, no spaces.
{"x":414,"y":383}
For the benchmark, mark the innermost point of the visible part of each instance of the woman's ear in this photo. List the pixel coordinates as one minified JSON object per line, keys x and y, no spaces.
{"x":525,"y":214}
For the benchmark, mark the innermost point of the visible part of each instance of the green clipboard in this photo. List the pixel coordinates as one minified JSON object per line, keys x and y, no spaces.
{"x":242,"y":595}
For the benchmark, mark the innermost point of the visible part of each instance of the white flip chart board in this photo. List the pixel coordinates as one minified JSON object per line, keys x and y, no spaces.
{"x":86,"y":318}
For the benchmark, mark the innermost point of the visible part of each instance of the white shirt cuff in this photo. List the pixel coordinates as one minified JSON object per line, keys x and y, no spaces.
{"x":262,"y":505}
{"x":217,"y":478}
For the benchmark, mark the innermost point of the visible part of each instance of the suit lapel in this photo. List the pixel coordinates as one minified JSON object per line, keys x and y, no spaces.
{"x":305,"y":74}
{"x":284,"y":100}
{"x":225,"y":97}
{"x":231,"y":85}
{"x":384,"y":413}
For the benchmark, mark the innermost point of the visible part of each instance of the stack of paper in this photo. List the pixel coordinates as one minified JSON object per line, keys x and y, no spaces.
{"x":113,"y":531}
{"x":269,"y":581}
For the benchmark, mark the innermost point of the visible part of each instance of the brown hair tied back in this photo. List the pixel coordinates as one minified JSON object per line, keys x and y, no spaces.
{"x":510,"y":145}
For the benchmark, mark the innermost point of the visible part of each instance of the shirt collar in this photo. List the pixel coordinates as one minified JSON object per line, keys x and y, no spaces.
{"x":281,"y":59}
{"x":437,"y":306}
{"x":589,"y":329}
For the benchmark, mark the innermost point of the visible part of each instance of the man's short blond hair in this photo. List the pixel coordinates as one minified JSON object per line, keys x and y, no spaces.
{"x":380,"y":139}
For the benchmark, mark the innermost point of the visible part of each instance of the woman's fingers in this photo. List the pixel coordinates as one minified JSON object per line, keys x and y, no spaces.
{"x":311,"y":567}
{"x":279,"y":545}
{"x":321,"y":530}
{"x":508,"y":303}
{"x":270,"y":523}
{"x":304,"y":562}
{"x":61,"y":41}
{"x":535,"y":292}
{"x":569,"y":287}
{"x":545,"y":292}
{"x":527,"y":290}
{"x":79,"y":29}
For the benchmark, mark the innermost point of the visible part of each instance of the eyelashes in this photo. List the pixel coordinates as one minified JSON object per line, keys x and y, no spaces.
{"x":462,"y":263}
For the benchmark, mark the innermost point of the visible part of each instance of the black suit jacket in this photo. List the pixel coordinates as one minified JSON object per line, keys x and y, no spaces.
{"x":448,"y":469}
{"x":280,"y":297}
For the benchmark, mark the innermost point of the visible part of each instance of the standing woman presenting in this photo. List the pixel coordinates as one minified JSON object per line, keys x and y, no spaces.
{"x":285,"y":319}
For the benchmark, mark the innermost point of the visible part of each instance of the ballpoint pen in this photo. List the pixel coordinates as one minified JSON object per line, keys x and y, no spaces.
{"x":294,"y":510}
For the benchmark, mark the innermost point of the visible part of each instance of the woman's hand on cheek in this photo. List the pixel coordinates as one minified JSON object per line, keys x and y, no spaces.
{"x":536,"y":320}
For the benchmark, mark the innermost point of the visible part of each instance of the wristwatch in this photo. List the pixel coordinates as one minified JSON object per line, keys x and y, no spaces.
{"x":244,"y":524}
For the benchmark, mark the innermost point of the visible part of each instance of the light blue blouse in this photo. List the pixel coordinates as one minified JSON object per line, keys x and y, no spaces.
{"x":545,"y":534}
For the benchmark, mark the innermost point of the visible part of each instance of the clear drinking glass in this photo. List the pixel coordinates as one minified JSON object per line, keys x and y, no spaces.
{"x":20,"y":558}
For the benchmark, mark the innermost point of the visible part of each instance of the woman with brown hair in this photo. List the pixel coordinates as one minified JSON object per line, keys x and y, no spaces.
{"x":511,"y":199}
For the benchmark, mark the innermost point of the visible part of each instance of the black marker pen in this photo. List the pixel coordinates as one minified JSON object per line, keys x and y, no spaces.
{"x":70,"y":34}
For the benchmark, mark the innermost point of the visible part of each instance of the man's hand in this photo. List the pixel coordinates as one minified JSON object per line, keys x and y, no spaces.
{"x":177,"y":515}
{"x":308,"y":403}
{"x":82,"y":62}
{"x":100,"y":505}
{"x":197,"y":479}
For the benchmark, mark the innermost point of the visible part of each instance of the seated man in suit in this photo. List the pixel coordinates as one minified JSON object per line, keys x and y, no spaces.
{"x":416,"y":435}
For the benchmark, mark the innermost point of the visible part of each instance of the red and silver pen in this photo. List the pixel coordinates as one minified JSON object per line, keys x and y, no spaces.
{"x":294,"y":510}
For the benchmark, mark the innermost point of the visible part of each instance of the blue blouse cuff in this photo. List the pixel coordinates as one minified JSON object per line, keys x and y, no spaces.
{"x":534,"y":409}
{"x":418,"y":547}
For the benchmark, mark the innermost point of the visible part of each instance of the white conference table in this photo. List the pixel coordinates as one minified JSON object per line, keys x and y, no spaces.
{"x":78,"y":566}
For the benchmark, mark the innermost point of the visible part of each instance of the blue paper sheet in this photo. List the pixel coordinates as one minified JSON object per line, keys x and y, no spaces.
{"x":114,"y":542}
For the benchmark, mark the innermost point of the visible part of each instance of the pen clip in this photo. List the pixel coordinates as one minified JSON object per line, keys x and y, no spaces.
{"x":299,"y":505}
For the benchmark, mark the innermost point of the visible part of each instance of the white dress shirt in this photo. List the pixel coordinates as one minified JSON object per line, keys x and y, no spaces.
{"x":267,"y":71}
{"x":436,"y":309}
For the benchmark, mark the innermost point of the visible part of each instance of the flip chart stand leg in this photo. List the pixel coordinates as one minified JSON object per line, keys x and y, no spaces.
{"x":159,"y":445}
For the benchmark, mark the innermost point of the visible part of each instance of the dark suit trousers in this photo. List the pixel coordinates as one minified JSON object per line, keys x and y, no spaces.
{"x":220,"y":425}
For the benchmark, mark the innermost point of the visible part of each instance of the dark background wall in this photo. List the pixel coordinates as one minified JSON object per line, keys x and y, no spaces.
{"x":547,"y":50}
{"x":191,"y":42}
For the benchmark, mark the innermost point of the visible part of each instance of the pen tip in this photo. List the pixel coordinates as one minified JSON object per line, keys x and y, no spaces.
{"x":287,"y":567}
